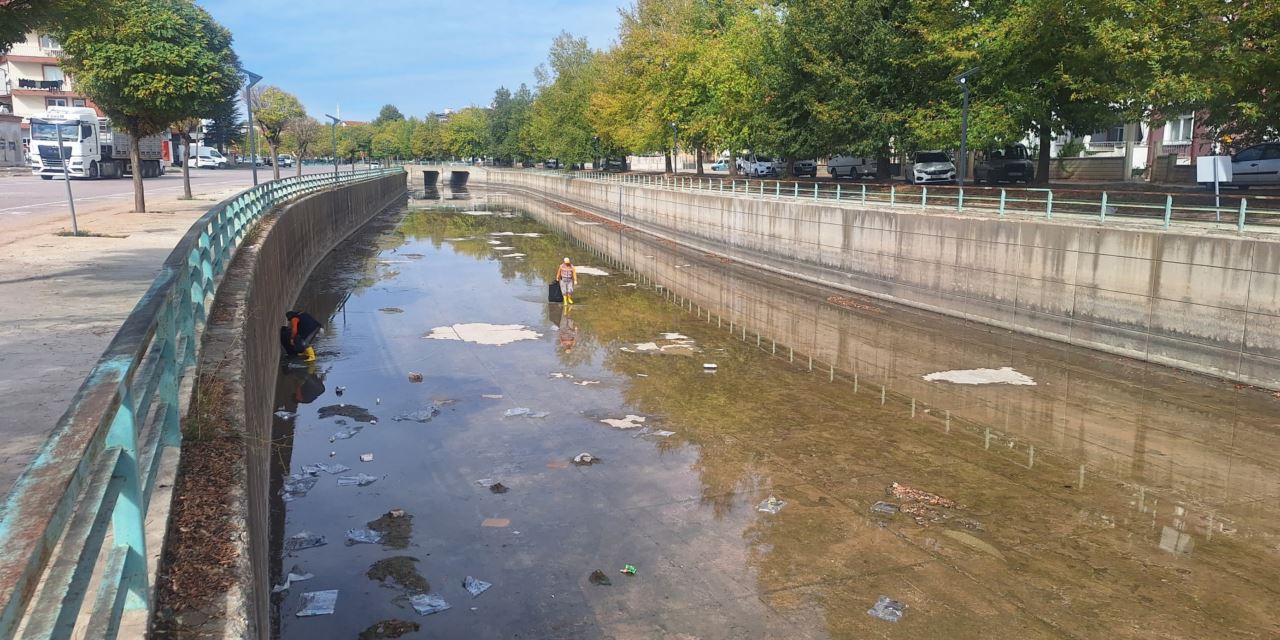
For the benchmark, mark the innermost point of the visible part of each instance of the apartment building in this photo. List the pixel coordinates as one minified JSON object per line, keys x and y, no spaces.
{"x":31,"y":80}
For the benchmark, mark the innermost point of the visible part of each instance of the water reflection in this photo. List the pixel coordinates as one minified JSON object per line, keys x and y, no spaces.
{"x":1066,"y":493}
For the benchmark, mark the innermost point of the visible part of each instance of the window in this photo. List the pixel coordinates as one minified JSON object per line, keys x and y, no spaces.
{"x":1179,"y":129}
{"x":48,"y":42}
{"x":77,"y":102}
{"x":1252,"y":154}
{"x":55,"y":102}
{"x":1272,"y":152}
{"x":52,"y":72}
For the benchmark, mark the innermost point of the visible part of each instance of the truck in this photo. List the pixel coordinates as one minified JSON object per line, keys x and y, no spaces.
{"x":91,"y":147}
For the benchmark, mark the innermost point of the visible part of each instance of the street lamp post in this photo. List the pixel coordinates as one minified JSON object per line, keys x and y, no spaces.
{"x":66,"y":177}
{"x":335,"y":143}
{"x":963,"y":79}
{"x":675,"y":169}
{"x":253,"y":79}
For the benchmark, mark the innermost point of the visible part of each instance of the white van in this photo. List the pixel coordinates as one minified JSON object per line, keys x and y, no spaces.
{"x":851,"y":167}
{"x":207,"y":158}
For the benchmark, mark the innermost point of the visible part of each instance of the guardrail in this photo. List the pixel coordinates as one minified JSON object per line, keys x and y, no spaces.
{"x":95,"y":474}
{"x":1163,"y":208}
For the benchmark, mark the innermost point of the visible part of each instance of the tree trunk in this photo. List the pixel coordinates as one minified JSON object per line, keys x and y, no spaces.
{"x":666,"y":157}
{"x":790,"y":169}
{"x":275,"y":160}
{"x":135,"y":159}
{"x":883,"y":168}
{"x":1042,"y":163}
{"x":733,"y":163}
{"x":186,"y":167}
{"x":297,"y":162}
{"x":700,"y":158}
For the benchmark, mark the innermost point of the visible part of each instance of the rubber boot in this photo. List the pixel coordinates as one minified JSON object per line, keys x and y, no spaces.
{"x":568,"y":299}
{"x":310,"y":354}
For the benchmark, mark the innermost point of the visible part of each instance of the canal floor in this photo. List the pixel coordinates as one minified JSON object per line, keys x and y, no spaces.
{"x":1107,"y":499}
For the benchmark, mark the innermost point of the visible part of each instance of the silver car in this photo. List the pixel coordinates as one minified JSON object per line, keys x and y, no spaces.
{"x":1256,"y":165}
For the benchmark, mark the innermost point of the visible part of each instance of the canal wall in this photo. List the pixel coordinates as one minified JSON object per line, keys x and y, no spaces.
{"x":1191,"y":297}
{"x":241,"y":354}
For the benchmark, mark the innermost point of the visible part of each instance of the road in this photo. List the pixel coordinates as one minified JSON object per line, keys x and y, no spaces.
{"x":28,"y":200}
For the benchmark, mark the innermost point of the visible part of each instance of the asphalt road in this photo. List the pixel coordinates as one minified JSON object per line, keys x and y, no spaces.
{"x":26,"y":200}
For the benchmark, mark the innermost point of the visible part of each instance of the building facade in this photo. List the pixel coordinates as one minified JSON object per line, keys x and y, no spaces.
{"x":32,"y":80}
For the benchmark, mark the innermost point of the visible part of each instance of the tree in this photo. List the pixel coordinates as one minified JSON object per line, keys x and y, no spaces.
{"x":355,"y":141}
{"x":507,"y":117}
{"x":188,"y":128}
{"x":150,"y":64}
{"x":225,"y":127}
{"x":558,"y":124}
{"x":428,"y":138}
{"x":274,"y":108}
{"x":19,"y":17}
{"x":388,"y":113}
{"x":466,"y":135}
{"x":300,"y":135}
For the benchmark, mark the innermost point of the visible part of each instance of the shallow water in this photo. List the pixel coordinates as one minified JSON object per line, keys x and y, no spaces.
{"x":1111,"y":499}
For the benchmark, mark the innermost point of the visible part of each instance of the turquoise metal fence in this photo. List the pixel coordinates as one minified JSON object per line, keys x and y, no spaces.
{"x":1162,"y":208}
{"x":95,"y":474}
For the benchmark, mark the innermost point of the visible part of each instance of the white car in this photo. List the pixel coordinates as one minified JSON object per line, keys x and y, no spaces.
{"x":851,"y":167}
{"x":208,"y":159}
{"x":760,"y":167}
{"x":1256,"y":165}
{"x":929,"y":167}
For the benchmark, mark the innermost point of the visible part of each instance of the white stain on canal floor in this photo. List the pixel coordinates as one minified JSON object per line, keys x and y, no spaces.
{"x":591,"y":271}
{"x":1003,"y":375}
{"x":484,"y":333}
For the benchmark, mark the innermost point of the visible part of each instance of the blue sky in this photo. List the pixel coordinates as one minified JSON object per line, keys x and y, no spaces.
{"x":420,"y":55}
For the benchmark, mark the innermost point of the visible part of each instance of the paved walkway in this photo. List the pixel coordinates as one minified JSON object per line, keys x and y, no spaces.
{"x":65,"y":297}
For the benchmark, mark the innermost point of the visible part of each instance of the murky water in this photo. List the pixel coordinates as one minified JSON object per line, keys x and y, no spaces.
{"x":1110,"y":499}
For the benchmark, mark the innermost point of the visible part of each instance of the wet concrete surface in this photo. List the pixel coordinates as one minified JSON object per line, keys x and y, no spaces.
{"x":1111,"y":499}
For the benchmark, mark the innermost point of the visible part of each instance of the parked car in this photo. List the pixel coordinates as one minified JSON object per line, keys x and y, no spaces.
{"x":760,"y":167}
{"x":1010,"y":164}
{"x":804,"y":168}
{"x":721,"y":165}
{"x":284,"y":160}
{"x":1256,"y":165}
{"x":207,"y":158}
{"x":614,"y":164}
{"x":375,"y":165}
{"x":851,"y":167}
{"x":551,"y":163}
{"x":929,"y":167}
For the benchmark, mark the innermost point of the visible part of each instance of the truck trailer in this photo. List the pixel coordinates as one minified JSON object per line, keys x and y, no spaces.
{"x":91,"y":147}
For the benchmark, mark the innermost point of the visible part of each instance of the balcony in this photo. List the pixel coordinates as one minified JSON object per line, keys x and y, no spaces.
{"x":39,"y":85}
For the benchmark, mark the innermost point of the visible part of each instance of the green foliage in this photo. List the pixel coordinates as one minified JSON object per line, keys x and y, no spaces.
{"x":149,"y":64}
{"x":273,"y":110}
{"x":18,"y":17}
{"x":303,"y":135}
{"x":508,"y":117}
{"x":467,"y":135}
{"x":428,"y":138}
{"x":388,"y":113}
{"x":558,"y":124}
{"x":355,"y":141}
{"x":224,"y":128}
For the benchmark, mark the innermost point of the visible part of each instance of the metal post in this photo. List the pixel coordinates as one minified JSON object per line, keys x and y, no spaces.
{"x":1168,"y":209}
{"x":674,"y":150}
{"x":66,"y":177}
{"x":1002,"y":193}
{"x":1048,"y":206}
{"x":815,"y":191}
{"x":964,"y":134}
{"x":253,"y":139}
{"x":837,"y":192}
{"x":893,"y":194}
{"x":924,"y":196}
{"x":864,"y":194}
{"x":335,"y":146}
{"x":1240,"y":222}
{"x":1102,"y":213}
{"x":795,"y":191}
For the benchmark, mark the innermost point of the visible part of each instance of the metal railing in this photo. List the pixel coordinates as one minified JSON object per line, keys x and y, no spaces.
{"x":1163,"y":209}
{"x":95,"y":474}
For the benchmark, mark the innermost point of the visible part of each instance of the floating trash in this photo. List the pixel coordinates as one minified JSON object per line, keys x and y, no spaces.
{"x":346,"y":434}
{"x":516,"y":412}
{"x":628,"y":569}
{"x":318,"y":603}
{"x":539,"y":414}
{"x":286,"y":415}
{"x":358,"y":480}
{"x":428,"y":603}
{"x":475,"y":587}
{"x":512,"y":255}
{"x":662,"y":434}
{"x":389,"y":629}
{"x":888,"y":610}
{"x":560,"y":375}
{"x":771,"y":505}
{"x":332,"y":469}
{"x":366,"y":457}
{"x":340,"y":390}
{"x":297,"y":485}
{"x":498,"y":487}
{"x":599,"y":579}
{"x":484,"y":333}
{"x":422,"y":415}
{"x":631,"y":421}
{"x":492,"y":396}
{"x":584,"y":459}
{"x":886,"y":508}
{"x":496,"y":523}
{"x":710,"y":366}
{"x":363,"y":536}
{"x":1003,"y":375}
{"x":583,"y":383}
{"x":354,"y":412}
{"x":389,"y":310}
{"x":290,"y":579}
{"x":304,"y":540}
{"x":414,"y":376}
{"x":503,"y":247}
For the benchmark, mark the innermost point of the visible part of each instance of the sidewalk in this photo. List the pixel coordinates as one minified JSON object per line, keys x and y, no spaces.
{"x":65,"y":297}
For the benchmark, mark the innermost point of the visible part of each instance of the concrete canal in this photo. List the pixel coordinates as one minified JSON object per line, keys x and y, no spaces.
{"x":841,"y":450}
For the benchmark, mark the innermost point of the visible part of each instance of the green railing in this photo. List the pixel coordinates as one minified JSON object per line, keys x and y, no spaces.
{"x":1162,"y":208}
{"x":76,"y":515}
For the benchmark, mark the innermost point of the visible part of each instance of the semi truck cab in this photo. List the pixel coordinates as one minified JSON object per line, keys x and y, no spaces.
{"x":91,"y":148}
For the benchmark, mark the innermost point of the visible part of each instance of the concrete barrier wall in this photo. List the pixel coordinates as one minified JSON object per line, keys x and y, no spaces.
{"x":242,"y":348}
{"x":1096,"y":168}
{"x":1190,"y":299}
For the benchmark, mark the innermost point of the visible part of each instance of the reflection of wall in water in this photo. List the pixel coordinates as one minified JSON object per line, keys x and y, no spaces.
{"x":1118,"y":416}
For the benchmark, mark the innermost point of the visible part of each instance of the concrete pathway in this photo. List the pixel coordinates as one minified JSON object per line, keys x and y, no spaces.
{"x":64,"y":298}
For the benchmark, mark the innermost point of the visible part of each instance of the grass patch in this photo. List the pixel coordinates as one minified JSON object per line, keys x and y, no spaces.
{"x":84,"y":233}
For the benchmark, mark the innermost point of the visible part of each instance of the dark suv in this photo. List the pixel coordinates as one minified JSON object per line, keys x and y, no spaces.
{"x":1010,"y":164}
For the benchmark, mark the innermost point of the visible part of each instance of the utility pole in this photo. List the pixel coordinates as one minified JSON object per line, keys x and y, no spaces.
{"x":675,"y":169}
{"x":963,"y":79}
{"x":335,"y":143}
